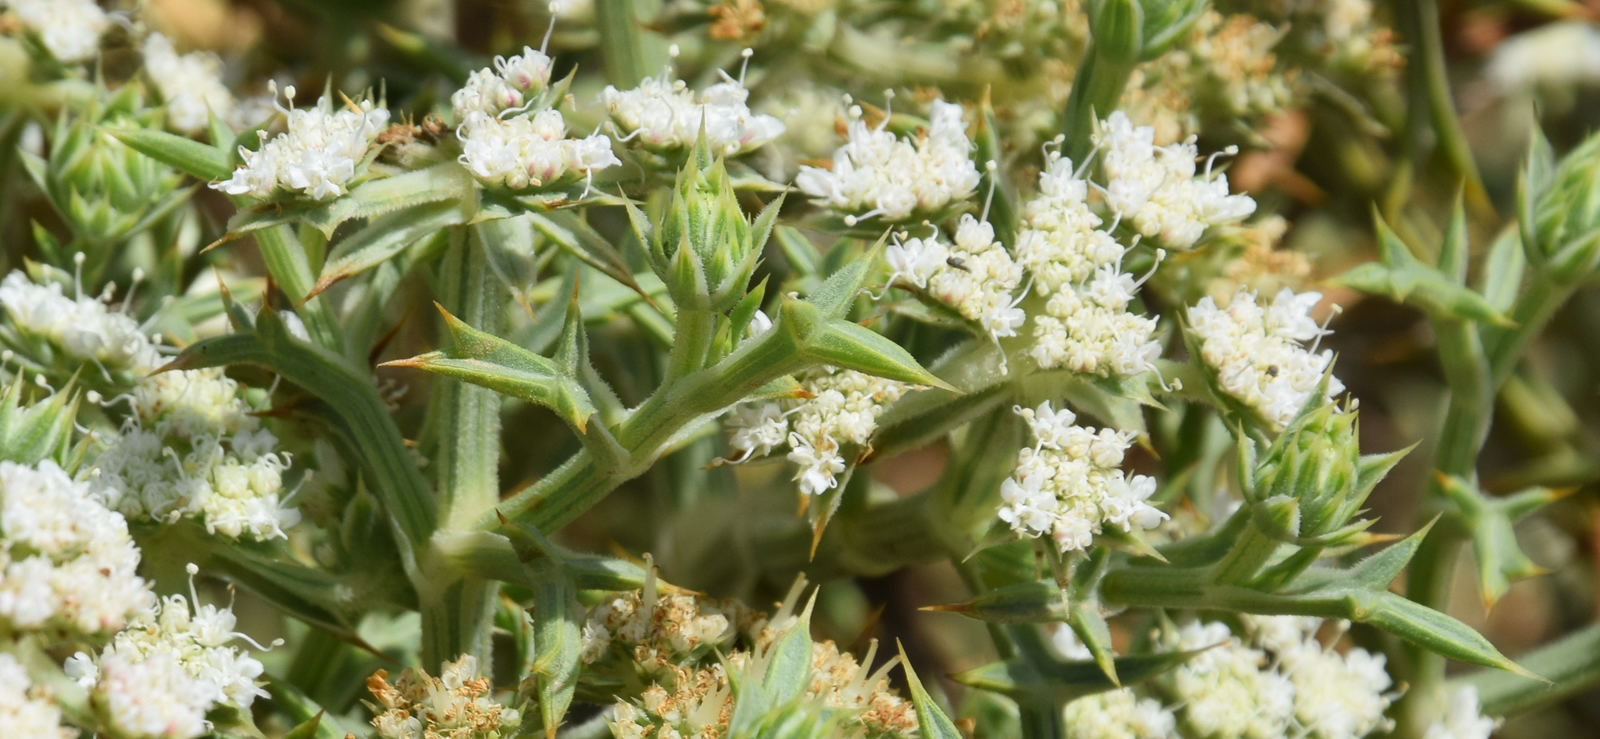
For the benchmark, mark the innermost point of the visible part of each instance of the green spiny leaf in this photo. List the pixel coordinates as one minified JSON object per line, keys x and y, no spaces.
{"x":387,"y":236}
{"x":789,"y":661}
{"x":1502,"y":271}
{"x":557,"y":624}
{"x":489,"y":361}
{"x":183,"y":154}
{"x":1377,"y":571}
{"x":1041,"y":601}
{"x":836,"y":295}
{"x":1432,"y":630}
{"x":932,"y":723}
{"x":40,"y":431}
{"x":850,"y":346}
{"x":569,"y":232}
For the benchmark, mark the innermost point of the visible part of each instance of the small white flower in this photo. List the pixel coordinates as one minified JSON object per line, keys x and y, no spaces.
{"x":1071,"y":485}
{"x":152,"y":697}
{"x":295,"y":326}
{"x":508,"y":85}
{"x":84,"y":328}
{"x":1258,"y":353}
{"x":759,"y":323}
{"x":841,"y":407}
{"x":66,"y":562}
{"x":318,"y":155}
{"x":193,"y":449}
{"x":876,"y":174}
{"x":1156,"y":187}
{"x":1553,"y":55}
{"x":529,"y":151}
{"x":757,"y":429}
{"x":70,"y":29}
{"x":162,"y":675}
{"x":1463,"y":720}
{"x":975,"y":276}
{"x":26,"y":711}
{"x":817,"y":466}
{"x":1119,"y":714}
{"x":190,"y":84}
{"x":665,"y":115}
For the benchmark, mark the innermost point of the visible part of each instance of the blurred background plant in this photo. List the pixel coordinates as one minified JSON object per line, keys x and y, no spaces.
{"x":1035,"y":333}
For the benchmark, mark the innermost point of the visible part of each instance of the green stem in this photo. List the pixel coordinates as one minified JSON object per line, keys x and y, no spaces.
{"x":1096,"y":90}
{"x":1250,"y":552}
{"x":1428,"y":583}
{"x":1533,"y":311}
{"x":630,"y":53}
{"x":692,"y":335}
{"x":584,"y":480}
{"x":467,"y":417}
{"x":1472,"y":386}
{"x":459,"y":616}
{"x":287,"y":263}
{"x":1476,"y":365}
{"x":1420,"y":22}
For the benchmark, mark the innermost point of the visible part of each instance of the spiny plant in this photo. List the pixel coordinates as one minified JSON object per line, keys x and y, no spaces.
{"x":496,"y":427}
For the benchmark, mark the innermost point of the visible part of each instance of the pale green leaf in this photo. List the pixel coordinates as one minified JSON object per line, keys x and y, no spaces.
{"x":932,"y":723}
{"x":186,"y":155}
{"x":489,"y":361}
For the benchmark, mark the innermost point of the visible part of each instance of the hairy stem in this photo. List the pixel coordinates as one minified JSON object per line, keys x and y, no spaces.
{"x":1430,"y":86}
{"x":466,"y":425}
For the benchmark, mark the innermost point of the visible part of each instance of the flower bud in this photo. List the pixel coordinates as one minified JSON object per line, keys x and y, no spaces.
{"x":104,"y":189}
{"x":1117,"y":27}
{"x":1131,"y":31}
{"x":1313,"y":480}
{"x":1566,"y":216}
{"x":703,"y":247}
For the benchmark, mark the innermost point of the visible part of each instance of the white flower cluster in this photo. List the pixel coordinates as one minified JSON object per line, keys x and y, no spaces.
{"x":975,"y":277}
{"x":66,"y":562}
{"x":319,"y":155}
{"x":1119,"y":714}
{"x":83,"y":327}
{"x":877,"y":174}
{"x":666,"y":115}
{"x":70,"y":29}
{"x":1070,"y":484}
{"x":454,"y":705}
{"x":192,"y":449}
{"x":512,"y":81}
{"x":1284,"y":682}
{"x":504,"y":144}
{"x":856,"y":694}
{"x":190,"y":84}
{"x":699,"y":706}
{"x":1086,"y":326}
{"x":841,"y":407}
{"x":1258,"y":351}
{"x":529,"y":151}
{"x":1463,"y":720}
{"x":656,"y":629}
{"x":1156,"y":187}
{"x":26,"y":711}
{"x":1061,"y":243}
{"x":1553,"y":56}
{"x":160,"y":676}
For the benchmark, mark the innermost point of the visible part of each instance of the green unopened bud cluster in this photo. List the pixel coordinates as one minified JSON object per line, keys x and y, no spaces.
{"x":1310,"y":484}
{"x":703,"y":247}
